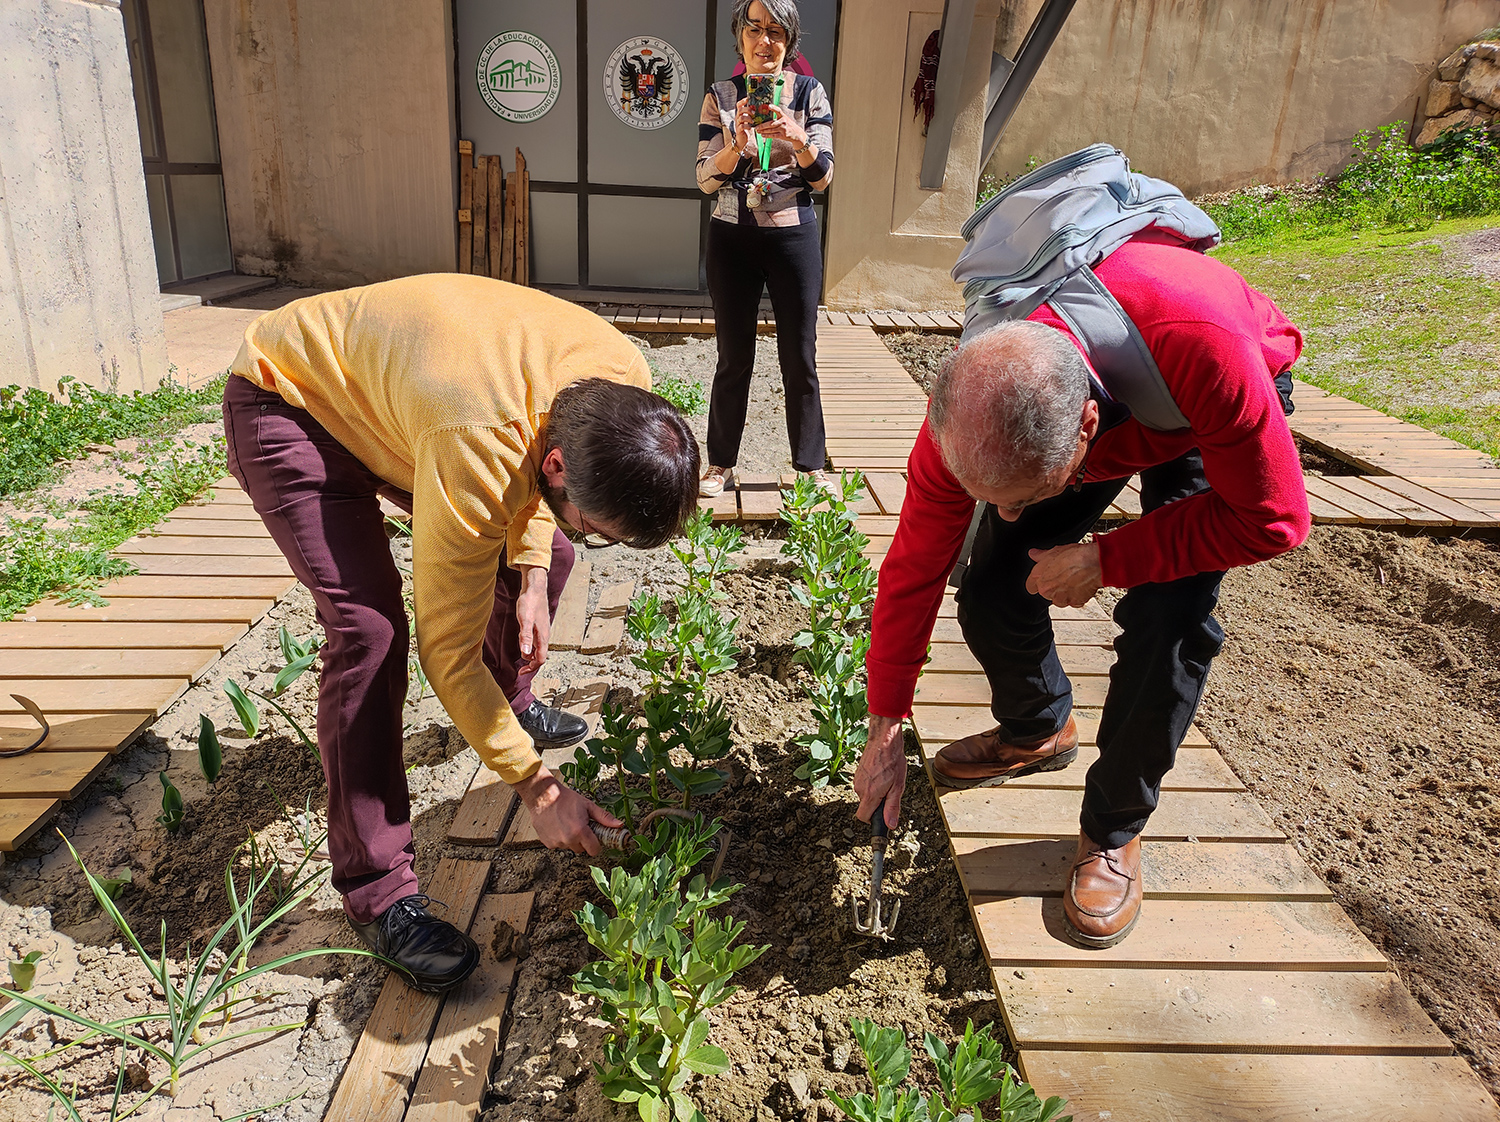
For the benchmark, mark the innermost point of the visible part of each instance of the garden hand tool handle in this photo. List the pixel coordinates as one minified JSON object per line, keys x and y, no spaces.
{"x":879,"y":836}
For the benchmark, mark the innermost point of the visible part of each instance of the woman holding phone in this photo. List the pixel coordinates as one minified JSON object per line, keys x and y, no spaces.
{"x":765,"y":143}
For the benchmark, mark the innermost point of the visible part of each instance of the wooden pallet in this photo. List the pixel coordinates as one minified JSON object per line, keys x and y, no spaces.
{"x":1244,"y":992}
{"x":209,"y":572}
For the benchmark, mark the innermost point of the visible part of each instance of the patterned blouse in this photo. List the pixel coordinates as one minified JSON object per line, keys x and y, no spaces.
{"x":789,"y":202}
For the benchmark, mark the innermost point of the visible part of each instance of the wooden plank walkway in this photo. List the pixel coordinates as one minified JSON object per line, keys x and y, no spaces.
{"x":647,"y":319}
{"x":208,"y":573}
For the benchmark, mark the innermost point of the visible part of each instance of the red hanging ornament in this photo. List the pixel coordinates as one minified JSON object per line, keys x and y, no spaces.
{"x":924,"y":89}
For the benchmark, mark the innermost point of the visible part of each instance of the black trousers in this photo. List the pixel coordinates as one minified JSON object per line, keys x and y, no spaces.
{"x":1169,"y":639}
{"x":787,"y":260}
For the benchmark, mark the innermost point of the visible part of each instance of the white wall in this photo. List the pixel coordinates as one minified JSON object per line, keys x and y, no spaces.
{"x":78,"y":288}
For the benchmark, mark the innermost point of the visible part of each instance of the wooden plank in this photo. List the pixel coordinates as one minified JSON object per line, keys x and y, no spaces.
{"x":187,"y":663}
{"x":484,"y":811}
{"x":200,"y":546}
{"x":1323,"y":509}
{"x":974,"y":689}
{"x":1155,"y":1087}
{"x":1346,"y":492}
{"x":20,"y":818}
{"x":1098,"y":633}
{"x":603,"y":636}
{"x":380,"y":1074}
{"x":955,"y":658}
{"x":218,"y":512}
{"x":572,"y":609}
{"x":32,"y":636}
{"x":211,"y":527}
{"x":1301,"y":1012}
{"x":495,"y":205}
{"x":180,"y":565}
{"x":523,"y":221}
{"x":1183,"y":935}
{"x":939,"y":724}
{"x":77,"y":732}
{"x":51,"y":774}
{"x":160,"y":609}
{"x":760,"y":497}
{"x":455,"y":1074}
{"x":614,"y":599}
{"x":94,"y":695}
{"x":725,"y":506}
{"x":1443,"y":506}
{"x":888,"y":489}
{"x":465,"y":205}
{"x":1170,"y":870}
{"x":1038,"y":812}
{"x":1197,"y":769}
{"x":480,"y":265}
{"x":199,"y":588}
{"x":508,"y":231}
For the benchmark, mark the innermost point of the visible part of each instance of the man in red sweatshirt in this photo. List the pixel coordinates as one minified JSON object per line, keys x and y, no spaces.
{"x":1020,"y":422}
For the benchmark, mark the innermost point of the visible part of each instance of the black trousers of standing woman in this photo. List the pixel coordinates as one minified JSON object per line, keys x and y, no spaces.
{"x":743,"y":260}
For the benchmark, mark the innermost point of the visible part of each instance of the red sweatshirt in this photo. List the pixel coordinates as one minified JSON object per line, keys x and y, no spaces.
{"x":1219,"y":344}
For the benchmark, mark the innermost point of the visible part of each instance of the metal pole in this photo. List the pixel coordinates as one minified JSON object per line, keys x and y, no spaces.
{"x":1038,"y":41}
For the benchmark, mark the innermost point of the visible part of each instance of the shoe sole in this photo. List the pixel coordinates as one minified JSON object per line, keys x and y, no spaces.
{"x":1099,"y":942}
{"x":428,"y":987}
{"x":1051,"y":763}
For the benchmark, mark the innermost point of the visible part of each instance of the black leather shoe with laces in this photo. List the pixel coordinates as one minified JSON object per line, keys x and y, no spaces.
{"x":433,"y":955}
{"x":552,"y":728}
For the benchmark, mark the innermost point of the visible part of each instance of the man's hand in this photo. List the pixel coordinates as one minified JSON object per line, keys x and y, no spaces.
{"x":560,"y":815}
{"x":882,"y":771}
{"x":533,"y":616}
{"x":1069,"y":575}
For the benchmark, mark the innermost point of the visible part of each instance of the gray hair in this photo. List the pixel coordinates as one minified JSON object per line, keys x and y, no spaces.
{"x":1007,"y":405}
{"x":783,"y":12}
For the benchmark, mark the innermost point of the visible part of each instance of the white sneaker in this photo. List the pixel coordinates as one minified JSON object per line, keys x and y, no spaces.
{"x":823,"y":480}
{"x":714,"y":480}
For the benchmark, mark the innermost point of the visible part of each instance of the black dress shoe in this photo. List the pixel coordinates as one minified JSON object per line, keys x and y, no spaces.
{"x":552,"y":728}
{"x":433,"y":955}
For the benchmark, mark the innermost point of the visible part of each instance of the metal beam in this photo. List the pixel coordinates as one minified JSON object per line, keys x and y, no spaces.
{"x":1039,"y":39}
{"x":953,"y":45}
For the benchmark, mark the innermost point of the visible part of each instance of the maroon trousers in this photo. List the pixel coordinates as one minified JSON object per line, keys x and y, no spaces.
{"x":321,"y":505}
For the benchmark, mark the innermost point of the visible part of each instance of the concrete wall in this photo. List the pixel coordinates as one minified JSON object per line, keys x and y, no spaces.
{"x":336,"y":133}
{"x":890,"y":243}
{"x":78,"y":292}
{"x":1216,"y":94}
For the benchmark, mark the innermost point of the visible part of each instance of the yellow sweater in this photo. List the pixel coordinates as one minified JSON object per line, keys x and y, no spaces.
{"x":440,"y":385}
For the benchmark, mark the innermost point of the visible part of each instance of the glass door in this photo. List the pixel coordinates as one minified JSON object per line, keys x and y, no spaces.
{"x":174,"y":105}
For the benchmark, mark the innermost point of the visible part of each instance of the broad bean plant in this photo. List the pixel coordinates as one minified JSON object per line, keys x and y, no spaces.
{"x":837,"y":588}
{"x":968,"y":1075}
{"x":664,"y":755}
{"x":666,"y":963}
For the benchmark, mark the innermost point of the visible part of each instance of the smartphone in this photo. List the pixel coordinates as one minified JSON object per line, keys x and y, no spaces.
{"x":760,"y":92}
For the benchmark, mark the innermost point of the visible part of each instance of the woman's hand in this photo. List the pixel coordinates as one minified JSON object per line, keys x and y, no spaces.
{"x":534,"y":617}
{"x":742,"y":124}
{"x":783,"y":127}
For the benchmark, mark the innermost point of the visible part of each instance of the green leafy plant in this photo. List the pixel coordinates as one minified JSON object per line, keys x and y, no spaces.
{"x":244,"y":708}
{"x":23,"y":972}
{"x":688,"y":396}
{"x":172,"y":808}
{"x":838,"y":587}
{"x":210,"y":751}
{"x":202,"y":989}
{"x":683,"y":646}
{"x":970,"y":1075}
{"x":666,"y":963}
{"x":116,"y":885}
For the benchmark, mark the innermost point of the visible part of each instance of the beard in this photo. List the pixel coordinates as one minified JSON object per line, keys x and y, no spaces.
{"x":553,"y":496}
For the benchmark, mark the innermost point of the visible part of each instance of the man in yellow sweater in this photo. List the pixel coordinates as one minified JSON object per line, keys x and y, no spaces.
{"x":490,"y":412}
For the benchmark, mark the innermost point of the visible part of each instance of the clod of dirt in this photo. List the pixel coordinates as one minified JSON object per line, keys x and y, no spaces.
{"x":509,"y":943}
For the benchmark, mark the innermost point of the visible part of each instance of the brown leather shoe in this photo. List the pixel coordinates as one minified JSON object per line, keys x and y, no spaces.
{"x":984,"y":760}
{"x":1103,"y":899}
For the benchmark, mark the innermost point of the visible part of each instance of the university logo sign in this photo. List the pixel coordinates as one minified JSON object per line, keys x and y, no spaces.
{"x":518,"y":76}
{"x":646,"y":82}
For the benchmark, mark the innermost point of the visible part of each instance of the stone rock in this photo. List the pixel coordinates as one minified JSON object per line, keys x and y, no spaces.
{"x":1442,"y":97}
{"x":1481,"y":81}
{"x":1453,"y":66}
{"x":800,"y":1086}
{"x":1463,"y":119}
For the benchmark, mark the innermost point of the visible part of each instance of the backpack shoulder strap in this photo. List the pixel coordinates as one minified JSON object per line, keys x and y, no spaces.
{"x":1115,"y":348}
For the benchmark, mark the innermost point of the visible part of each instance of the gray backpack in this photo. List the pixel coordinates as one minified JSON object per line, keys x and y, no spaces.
{"x":1036,"y":242}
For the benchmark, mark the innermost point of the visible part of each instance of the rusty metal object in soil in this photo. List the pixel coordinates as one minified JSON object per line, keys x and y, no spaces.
{"x":35,"y":711}
{"x":871,"y":923}
{"x":618,"y":837}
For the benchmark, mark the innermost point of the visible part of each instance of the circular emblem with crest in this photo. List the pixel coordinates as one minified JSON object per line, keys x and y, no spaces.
{"x":646,"y":82}
{"x":518,"y":76}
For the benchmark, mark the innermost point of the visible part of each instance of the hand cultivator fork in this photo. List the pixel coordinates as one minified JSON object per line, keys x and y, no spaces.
{"x":871,"y":924}
{"x":619,"y":837}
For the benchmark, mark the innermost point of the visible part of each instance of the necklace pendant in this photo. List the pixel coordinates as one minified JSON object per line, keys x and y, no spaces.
{"x":753,"y":197}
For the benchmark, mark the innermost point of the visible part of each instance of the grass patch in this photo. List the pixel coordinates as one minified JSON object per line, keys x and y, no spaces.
{"x":687,"y":395}
{"x":1397,"y":320}
{"x":37,"y":430}
{"x":72,"y":558}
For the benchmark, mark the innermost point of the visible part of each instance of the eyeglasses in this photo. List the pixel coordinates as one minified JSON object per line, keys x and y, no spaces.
{"x":775,"y":33}
{"x":592,"y":531}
